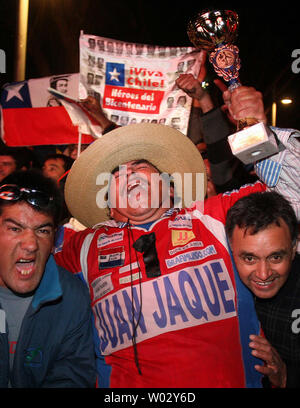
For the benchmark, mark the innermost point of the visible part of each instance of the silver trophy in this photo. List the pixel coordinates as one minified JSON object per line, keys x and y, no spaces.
{"x":215,"y":32}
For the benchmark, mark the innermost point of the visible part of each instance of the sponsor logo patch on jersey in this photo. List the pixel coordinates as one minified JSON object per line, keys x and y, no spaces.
{"x":193,"y":244}
{"x":182,"y":237}
{"x":111,"y":257}
{"x":181,"y":221}
{"x":131,"y":272}
{"x":190,"y":256}
{"x":101,"y":286}
{"x":130,"y":278}
{"x":106,"y":239}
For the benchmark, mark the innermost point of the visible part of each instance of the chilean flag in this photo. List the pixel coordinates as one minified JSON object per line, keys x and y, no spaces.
{"x":31,"y":115}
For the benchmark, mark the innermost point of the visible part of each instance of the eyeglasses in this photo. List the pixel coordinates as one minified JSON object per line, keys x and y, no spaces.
{"x":12,"y":192}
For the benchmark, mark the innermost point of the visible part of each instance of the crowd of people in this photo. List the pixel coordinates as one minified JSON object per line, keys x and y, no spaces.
{"x":154,"y":289}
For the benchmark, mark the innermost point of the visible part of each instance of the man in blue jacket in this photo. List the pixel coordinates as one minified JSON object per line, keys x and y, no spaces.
{"x":45,"y":315}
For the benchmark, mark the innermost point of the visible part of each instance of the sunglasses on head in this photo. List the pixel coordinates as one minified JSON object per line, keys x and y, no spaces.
{"x":12,"y":192}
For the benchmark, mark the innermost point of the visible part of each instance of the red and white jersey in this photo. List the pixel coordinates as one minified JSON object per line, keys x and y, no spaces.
{"x":170,"y":288}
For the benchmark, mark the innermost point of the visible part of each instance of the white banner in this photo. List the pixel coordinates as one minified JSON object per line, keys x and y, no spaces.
{"x":136,"y":82}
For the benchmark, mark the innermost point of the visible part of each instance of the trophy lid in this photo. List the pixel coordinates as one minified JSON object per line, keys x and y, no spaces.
{"x":208,"y":29}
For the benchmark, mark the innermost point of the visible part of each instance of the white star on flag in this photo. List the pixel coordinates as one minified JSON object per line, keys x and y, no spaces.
{"x":13,"y":91}
{"x":114,"y":75}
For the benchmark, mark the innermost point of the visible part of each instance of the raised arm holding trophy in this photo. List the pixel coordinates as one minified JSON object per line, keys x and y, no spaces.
{"x":215,"y":32}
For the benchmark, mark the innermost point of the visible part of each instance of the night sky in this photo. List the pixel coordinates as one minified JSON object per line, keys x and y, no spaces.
{"x":267,"y":38}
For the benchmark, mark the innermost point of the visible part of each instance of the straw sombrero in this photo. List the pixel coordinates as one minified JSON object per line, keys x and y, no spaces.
{"x":165,"y":147}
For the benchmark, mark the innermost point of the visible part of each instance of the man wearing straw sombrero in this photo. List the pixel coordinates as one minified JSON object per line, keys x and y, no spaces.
{"x":168,"y":309}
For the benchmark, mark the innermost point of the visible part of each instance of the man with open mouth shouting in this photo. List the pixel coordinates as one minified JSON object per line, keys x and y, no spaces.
{"x":44,"y":340}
